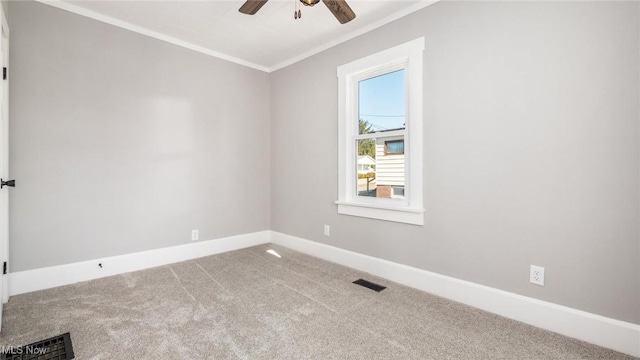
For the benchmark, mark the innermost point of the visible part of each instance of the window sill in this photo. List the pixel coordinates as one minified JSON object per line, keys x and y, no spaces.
{"x":388,"y":213}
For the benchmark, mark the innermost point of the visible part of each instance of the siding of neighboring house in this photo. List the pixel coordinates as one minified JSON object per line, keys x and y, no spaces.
{"x":389,"y":168}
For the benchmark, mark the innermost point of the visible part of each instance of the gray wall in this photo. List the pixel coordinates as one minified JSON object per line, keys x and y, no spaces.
{"x":5,"y":8}
{"x":531,"y":150}
{"x":122,"y":143}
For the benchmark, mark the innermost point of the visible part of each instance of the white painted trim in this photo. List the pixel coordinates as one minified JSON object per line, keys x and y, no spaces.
{"x":407,"y":56}
{"x":401,"y":215}
{"x":599,"y":330}
{"x":49,"y":277}
{"x":4,"y":154}
{"x":144,"y":31}
{"x":60,"y":4}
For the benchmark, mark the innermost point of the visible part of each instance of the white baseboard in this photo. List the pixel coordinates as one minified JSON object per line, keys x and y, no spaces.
{"x":610,"y":333}
{"x":49,"y":277}
{"x":599,"y":330}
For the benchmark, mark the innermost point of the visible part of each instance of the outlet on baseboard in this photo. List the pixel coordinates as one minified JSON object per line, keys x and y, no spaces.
{"x":327,"y":230}
{"x":195,"y":235}
{"x":536,"y":275}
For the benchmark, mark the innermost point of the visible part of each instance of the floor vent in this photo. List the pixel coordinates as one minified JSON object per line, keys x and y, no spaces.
{"x":55,"y":348}
{"x":369,"y":285}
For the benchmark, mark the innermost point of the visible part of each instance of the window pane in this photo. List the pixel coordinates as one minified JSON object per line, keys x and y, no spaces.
{"x":381,"y":103}
{"x":394,"y":147}
{"x":380,"y":173}
{"x":366,"y":163}
{"x":390,"y":168}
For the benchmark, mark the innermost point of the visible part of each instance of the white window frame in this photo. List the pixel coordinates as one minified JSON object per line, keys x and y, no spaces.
{"x":410,"y":210}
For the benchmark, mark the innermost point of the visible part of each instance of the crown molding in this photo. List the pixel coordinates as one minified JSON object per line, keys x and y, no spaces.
{"x":144,"y":31}
{"x":384,"y":21}
{"x":60,"y":4}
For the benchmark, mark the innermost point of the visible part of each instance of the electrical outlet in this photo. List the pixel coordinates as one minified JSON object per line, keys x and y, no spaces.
{"x":536,"y":275}
{"x":327,"y":230}
{"x":194,"y":235}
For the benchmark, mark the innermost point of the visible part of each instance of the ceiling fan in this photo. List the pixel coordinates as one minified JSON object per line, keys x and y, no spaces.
{"x":339,"y":8}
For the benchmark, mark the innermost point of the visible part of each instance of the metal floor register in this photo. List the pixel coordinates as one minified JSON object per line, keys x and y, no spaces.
{"x":55,"y":348}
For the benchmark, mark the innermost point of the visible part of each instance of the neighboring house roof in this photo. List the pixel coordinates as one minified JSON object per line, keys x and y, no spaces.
{"x":366,"y":160}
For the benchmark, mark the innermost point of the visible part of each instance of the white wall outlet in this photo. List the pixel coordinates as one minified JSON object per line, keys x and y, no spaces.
{"x":327,"y":230}
{"x":536,"y":275}
{"x":195,"y":235}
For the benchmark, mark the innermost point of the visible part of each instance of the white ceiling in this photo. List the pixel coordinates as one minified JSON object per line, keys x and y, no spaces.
{"x":268,"y":40}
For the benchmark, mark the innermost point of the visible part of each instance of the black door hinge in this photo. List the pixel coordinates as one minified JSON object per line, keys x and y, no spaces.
{"x":4,"y":268}
{"x":4,"y":73}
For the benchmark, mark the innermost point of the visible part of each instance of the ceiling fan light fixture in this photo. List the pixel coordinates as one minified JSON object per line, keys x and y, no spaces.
{"x":309,"y":2}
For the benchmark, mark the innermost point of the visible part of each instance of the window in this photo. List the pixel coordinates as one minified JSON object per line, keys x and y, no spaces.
{"x":380,"y":135}
{"x":394,"y":147}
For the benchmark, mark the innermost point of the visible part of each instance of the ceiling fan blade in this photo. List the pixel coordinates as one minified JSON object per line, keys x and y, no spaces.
{"x":251,"y":7}
{"x":341,"y":10}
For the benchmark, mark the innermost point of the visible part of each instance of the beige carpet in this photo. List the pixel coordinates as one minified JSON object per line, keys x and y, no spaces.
{"x":248,"y":304}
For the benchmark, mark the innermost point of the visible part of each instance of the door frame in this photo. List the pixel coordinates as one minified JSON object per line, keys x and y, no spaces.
{"x":4,"y":160}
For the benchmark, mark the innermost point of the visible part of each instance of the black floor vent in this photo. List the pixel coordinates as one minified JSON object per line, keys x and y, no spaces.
{"x":55,"y":348}
{"x":370,"y":285}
